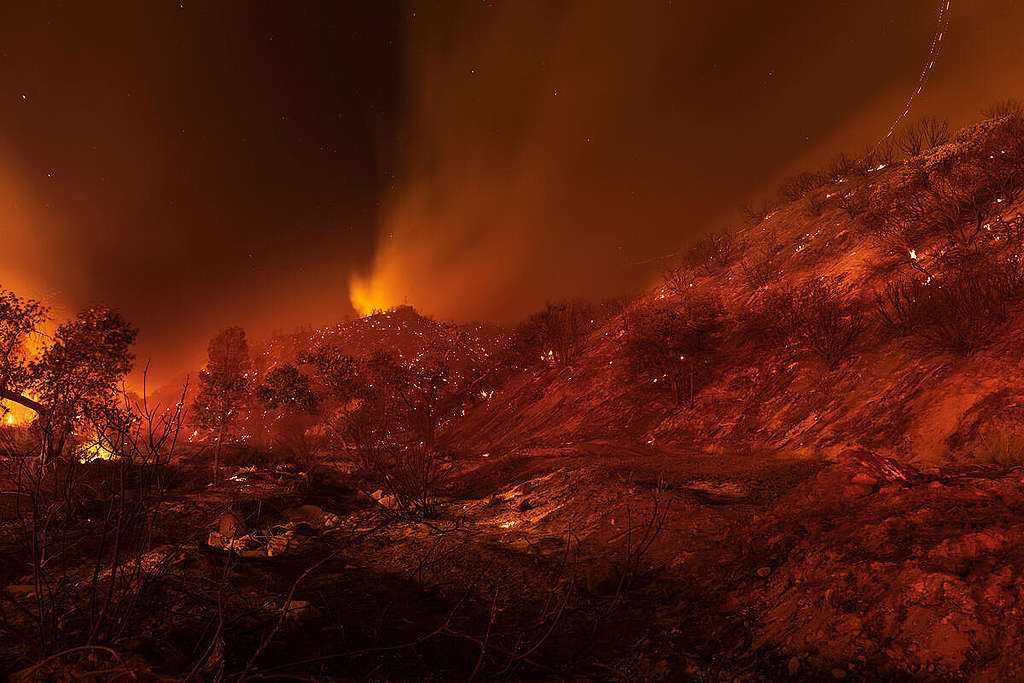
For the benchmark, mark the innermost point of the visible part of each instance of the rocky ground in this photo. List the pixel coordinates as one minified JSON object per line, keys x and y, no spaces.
{"x":579,"y":562}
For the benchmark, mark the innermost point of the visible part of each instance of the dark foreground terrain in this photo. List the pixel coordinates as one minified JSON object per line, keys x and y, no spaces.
{"x":579,"y":562}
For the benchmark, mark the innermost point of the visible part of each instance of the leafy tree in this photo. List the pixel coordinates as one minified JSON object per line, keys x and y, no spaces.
{"x":555,"y":333}
{"x":335,"y":373}
{"x":224,"y":387}
{"x":18,"y":319}
{"x":286,"y":387}
{"x":72,"y":379}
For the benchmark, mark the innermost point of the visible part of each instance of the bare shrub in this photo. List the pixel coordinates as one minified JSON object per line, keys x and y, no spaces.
{"x":752,"y":214}
{"x":87,"y":531}
{"x":923,"y":134}
{"x":642,"y":531}
{"x":712,"y":252}
{"x":818,"y":317}
{"x":882,"y":154}
{"x":1000,"y":445}
{"x":841,"y":167}
{"x":1003,"y":108}
{"x":796,"y":188}
{"x":955,"y":192}
{"x":958,"y":313}
{"x":675,"y":344}
{"x":815,"y":205}
{"x":762,"y":265}
{"x":855,"y":203}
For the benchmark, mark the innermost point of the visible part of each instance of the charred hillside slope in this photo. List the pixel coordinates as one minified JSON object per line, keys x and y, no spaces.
{"x":879,"y":310}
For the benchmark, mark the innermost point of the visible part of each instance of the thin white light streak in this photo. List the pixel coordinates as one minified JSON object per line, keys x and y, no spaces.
{"x":933,"y":54}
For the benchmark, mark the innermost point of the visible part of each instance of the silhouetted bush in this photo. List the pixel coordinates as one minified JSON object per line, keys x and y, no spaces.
{"x":818,"y":317}
{"x":675,"y":344}
{"x":815,"y":206}
{"x":923,"y":134}
{"x":752,"y":214}
{"x":553,"y":334}
{"x":796,"y":188}
{"x":842,"y":166}
{"x":958,"y":313}
{"x":854,"y":203}
{"x":1003,"y":108}
{"x":712,"y":252}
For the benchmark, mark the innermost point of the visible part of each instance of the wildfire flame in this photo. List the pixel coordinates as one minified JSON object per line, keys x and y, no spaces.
{"x":367,"y":295}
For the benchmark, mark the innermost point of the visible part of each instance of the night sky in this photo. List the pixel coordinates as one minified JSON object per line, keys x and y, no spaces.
{"x":203,"y":164}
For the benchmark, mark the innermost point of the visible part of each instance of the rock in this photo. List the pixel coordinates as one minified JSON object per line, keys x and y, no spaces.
{"x":278,"y":544}
{"x":218,"y":540}
{"x":313,"y":515}
{"x":865,"y":479}
{"x":230,"y":525}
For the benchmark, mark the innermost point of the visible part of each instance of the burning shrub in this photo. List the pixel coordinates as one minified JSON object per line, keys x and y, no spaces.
{"x":817,"y":317}
{"x":87,"y":531}
{"x":957,"y":313}
{"x":676,"y":344}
